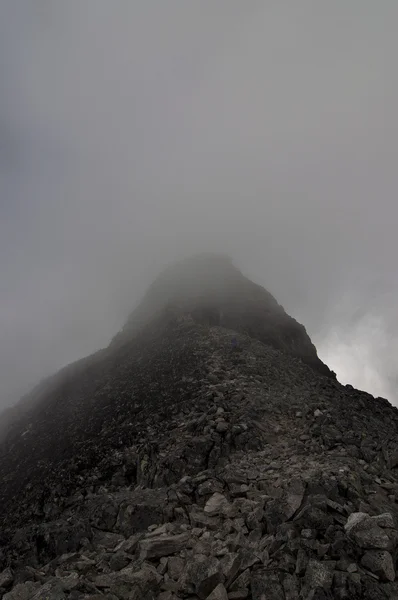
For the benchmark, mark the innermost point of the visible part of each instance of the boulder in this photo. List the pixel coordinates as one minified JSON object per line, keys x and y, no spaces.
{"x":22,"y":591}
{"x":265,"y":584}
{"x":318,"y":575}
{"x":6,"y":578}
{"x":162,"y":546}
{"x":380,"y":563}
{"x":201,"y":576}
{"x":215,"y":504}
{"x":219,"y":593}
{"x":366,"y":533}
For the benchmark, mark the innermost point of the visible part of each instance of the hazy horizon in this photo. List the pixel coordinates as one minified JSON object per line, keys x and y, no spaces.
{"x":133,"y":134}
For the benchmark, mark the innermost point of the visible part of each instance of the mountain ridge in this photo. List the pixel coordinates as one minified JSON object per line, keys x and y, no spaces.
{"x":191,"y":459}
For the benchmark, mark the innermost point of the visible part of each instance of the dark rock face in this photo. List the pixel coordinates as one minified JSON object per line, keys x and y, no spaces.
{"x":214,"y":292}
{"x":190,"y":460}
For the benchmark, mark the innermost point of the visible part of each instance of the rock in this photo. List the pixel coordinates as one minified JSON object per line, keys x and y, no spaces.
{"x":290,"y":587}
{"x":210,"y":486}
{"x":70,"y":582}
{"x":6,"y":578}
{"x":354,"y":519}
{"x":130,"y":583}
{"x":22,"y":591}
{"x":107,"y":539}
{"x":265,"y":585}
{"x":130,"y":545}
{"x":49,"y":591}
{"x":162,"y":546}
{"x":230,"y":565}
{"x":314,"y":518}
{"x":318,"y":575}
{"x":167,"y":596}
{"x":175,"y":567}
{"x":201,"y":576}
{"x":282,"y":509}
{"x":302,"y":562}
{"x":139,"y":514}
{"x":380,"y":563}
{"x":219,"y":593}
{"x":247,"y":558}
{"x":242,"y":582}
{"x":215,"y":504}
{"x":199,"y":519}
{"x":238,"y":490}
{"x":365,"y":532}
{"x":222,"y":427}
{"x":238,"y":595}
{"x":384,"y":520}
{"x":119,"y":561}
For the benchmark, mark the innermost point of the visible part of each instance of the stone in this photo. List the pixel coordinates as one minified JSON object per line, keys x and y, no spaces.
{"x":219,"y":593}
{"x":168,"y":595}
{"x":6,"y":578}
{"x":238,"y":595}
{"x":162,"y":546}
{"x":49,"y":591}
{"x":199,"y":519}
{"x":118,"y":561}
{"x":314,"y":517}
{"x":301,"y":562}
{"x":22,"y":591}
{"x":354,"y":519}
{"x":253,"y":520}
{"x":222,"y":427}
{"x":130,"y":583}
{"x":291,"y":587}
{"x":247,"y":559}
{"x":138,"y":515}
{"x":175,"y":567}
{"x":130,"y":545}
{"x":307,"y":534}
{"x":318,"y":575}
{"x":380,"y":563}
{"x":215,"y":504}
{"x":384,"y":520}
{"x":230,"y":566}
{"x":203,"y":574}
{"x":282,"y":509}
{"x":70,"y":582}
{"x":265,"y":585}
{"x":366,"y":533}
{"x":210,"y":486}
{"x":242,"y":582}
{"x":107,"y":539}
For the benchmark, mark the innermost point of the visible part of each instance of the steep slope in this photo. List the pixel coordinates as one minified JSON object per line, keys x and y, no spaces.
{"x":178,"y":464}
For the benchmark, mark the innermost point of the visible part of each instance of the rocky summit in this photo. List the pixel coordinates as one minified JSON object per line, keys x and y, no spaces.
{"x":207,"y":454}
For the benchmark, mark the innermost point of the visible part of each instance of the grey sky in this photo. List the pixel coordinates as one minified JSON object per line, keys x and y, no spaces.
{"x":135,"y":132}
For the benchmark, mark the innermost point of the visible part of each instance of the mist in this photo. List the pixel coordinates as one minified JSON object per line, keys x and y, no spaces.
{"x":133,"y":134}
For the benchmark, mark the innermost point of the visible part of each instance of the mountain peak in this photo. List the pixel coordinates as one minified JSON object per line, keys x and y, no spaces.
{"x":213,"y":291}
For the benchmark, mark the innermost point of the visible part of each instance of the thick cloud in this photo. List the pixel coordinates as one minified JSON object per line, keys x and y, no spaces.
{"x":133,"y":133}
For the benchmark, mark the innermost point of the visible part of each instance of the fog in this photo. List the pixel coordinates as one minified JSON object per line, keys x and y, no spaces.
{"x":134,"y":133}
